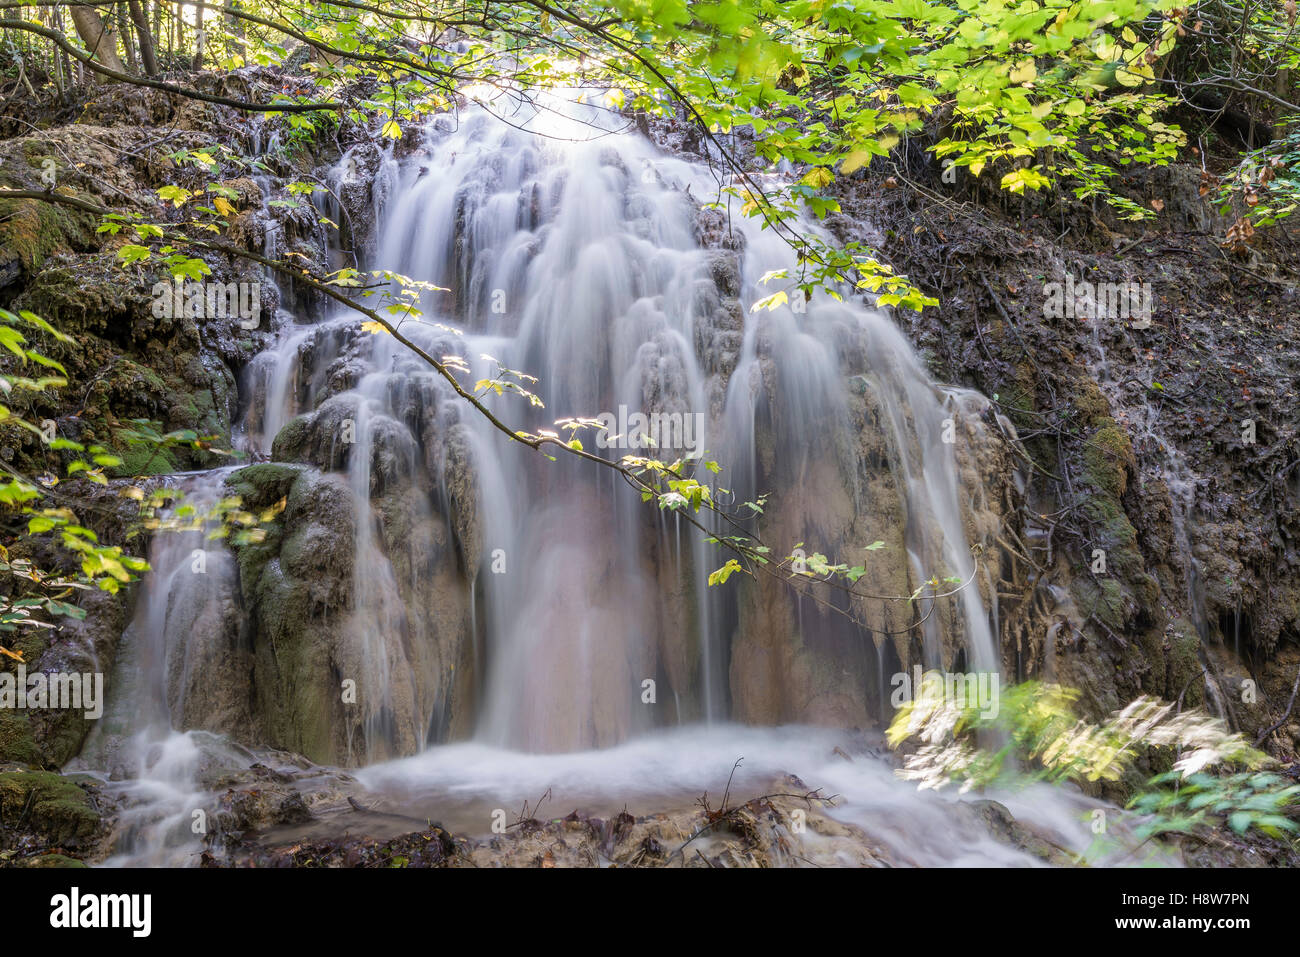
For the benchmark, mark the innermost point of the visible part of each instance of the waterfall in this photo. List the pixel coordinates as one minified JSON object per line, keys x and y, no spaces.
{"x":535,"y":603}
{"x":581,"y":255}
{"x":575,"y":256}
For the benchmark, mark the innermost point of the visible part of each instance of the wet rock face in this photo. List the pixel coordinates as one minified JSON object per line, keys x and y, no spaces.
{"x":802,"y":658}
{"x":320,"y":634}
{"x":86,"y":647}
{"x":318,"y":438}
{"x":360,"y":195}
{"x":132,"y":364}
{"x":720,"y":330}
{"x":128,"y":361}
{"x":714,"y":231}
{"x":1141,"y":437}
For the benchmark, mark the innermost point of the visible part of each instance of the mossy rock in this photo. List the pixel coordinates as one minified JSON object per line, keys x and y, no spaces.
{"x":129,"y":364}
{"x":1185,"y":665}
{"x":259,"y":487}
{"x":1090,"y":403}
{"x":264,"y":484}
{"x":1115,"y":534}
{"x":50,"y":860}
{"x":1111,"y":604}
{"x":32,"y":645}
{"x":89,"y":295}
{"x":1108,"y":459}
{"x":1150,"y":649}
{"x":35,"y":230}
{"x":318,"y":438}
{"x":289,"y":443}
{"x":17,"y":743}
{"x":59,"y":810}
{"x":142,"y":460}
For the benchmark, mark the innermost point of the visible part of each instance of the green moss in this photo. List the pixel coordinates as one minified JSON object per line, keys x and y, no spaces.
{"x":1114,"y":533}
{"x":35,"y":230}
{"x":260,"y":486}
{"x":137,"y":391}
{"x":51,"y":860}
{"x":55,"y":806}
{"x":264,"y":484}
{"x":290,"y":441}
{"x":1108,"y":458}
{"x":32,"y":644}
{"x":16,"y":742}
{"x":146,"y":460}
{"x":1107,"y":600}
{"x":1090,"y":403}
{"x":1184,"y":668}
{"x":1147,"y":589}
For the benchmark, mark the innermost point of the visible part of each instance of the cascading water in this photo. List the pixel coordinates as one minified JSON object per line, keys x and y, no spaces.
{"x":583,"y":257}
{"x":139,"y":744}
{"x":580,"y":262}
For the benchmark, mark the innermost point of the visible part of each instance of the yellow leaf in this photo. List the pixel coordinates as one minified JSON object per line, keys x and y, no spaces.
{"x":223,"y":207}
{"x":373,"y":327}
{"x":1128,"y":77}
{"x":778,"y":298}
{"x":854,"y":161}
{"x":392,"y":130}
{"x":1025,"y":72}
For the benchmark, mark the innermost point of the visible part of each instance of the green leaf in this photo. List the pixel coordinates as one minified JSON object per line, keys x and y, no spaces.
{"x":131,"y":253}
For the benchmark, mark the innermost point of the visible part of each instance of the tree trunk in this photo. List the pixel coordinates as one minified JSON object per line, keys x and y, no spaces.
{"x":200,"y":36}
{"x":235,"y":27}
{"x":157,"y":24}
{"x":145,"y":37}
{"x":124,"y":31}
{"x":99,"y":40}
{"x":71,"y":66}
{"x":56,"y":65}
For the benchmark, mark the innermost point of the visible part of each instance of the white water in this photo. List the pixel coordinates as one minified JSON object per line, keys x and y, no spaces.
{"x":460,"y":785}
{"x":139,"y":748}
